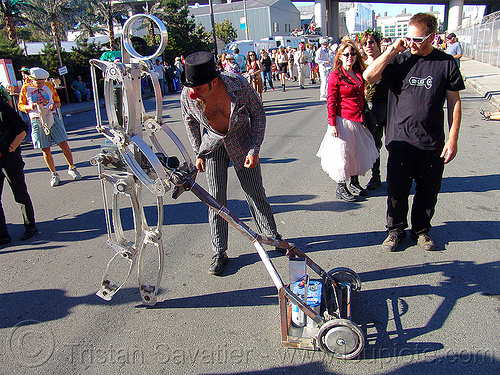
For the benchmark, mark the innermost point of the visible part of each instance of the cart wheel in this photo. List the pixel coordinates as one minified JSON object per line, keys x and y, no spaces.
{"x":341,"y":338}
{"x":347,"y":276}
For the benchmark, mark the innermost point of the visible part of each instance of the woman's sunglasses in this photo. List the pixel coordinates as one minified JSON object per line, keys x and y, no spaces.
{"x":349,"y":54}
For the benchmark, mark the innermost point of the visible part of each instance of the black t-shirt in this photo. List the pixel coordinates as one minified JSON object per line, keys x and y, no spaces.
{"x":417,"y":92}
{"x":266,"y":63}
{"x":11,"y":124}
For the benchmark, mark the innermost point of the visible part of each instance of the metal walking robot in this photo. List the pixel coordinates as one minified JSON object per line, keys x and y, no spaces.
{"x":314,"y":314}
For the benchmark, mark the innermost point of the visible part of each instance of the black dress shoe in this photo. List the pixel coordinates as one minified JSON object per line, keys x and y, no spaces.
{"x":4,"y":240}
{"x":219,"y":260}
{"x":357,"y":189}
{"x":344,"y":193}
{"x":28,"y":233}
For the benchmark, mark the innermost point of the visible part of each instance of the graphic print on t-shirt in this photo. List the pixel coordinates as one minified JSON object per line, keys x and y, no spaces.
{"x":425,"y":82}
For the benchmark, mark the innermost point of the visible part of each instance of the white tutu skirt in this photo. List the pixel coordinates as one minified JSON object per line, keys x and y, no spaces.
{"x":352,"y":153}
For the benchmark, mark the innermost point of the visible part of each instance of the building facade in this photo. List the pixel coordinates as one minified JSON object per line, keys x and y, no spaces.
{"x":264,"y":17}
{"x":358,"y":17}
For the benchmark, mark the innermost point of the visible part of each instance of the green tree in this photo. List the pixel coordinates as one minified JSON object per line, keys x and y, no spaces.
{"x":225,"y":31}
{"x":79,"y":59}
{"x":109,"y":11}
{"x":9,"y":10}
{"x":184,"y":36}
{"x":88,"y":22}
{"x":155,"y":10}
{"x":10,"y":49}
{"x":49,"y":59}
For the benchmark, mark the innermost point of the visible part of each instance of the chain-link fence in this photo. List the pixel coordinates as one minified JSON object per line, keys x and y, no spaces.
{"x":481,"y":41}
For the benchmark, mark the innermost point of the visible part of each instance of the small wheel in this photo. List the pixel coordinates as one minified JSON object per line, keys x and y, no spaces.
{"x":347,"y":276}
{"x":341,"y":338}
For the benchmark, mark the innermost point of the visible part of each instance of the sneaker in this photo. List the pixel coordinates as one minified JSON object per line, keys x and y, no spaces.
{"x":373,"y":183}
{"x":392,"y":241}
{"x":219,"y":260}
{"x":54,"y":179}
{"x":426,"y":242}
{"x":344,"y":193}
{"x":272,"y":88}
{"x":73,"y":172}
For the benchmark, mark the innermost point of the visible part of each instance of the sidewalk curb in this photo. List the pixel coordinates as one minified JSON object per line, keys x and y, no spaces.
{"x":492,"y":96}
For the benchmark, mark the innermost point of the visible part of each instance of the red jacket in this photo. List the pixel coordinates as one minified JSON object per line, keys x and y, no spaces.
{"x":345,"y":97}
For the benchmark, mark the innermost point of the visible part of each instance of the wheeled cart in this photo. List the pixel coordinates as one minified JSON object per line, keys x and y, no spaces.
{"x":315,"y":314}
{"x":325,"y":324}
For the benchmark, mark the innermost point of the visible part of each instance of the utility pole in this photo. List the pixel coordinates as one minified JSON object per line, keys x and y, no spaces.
{"x":246,"y":19}
{"x":213,"y":25}
{"x":61,"y":64}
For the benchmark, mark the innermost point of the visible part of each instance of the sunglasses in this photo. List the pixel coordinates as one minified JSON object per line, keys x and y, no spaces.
{"x":417,"y":39}
{"x":349,"y":54}
{"x":369,"y":42}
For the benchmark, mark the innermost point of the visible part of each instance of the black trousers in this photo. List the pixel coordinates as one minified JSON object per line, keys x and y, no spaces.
{"x":376,"y":121}
{"x":405,"y":165}
{"x":11,"y":167}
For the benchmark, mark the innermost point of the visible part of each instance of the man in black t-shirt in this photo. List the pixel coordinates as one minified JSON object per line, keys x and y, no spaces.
{"x":12,"y":132}
{"x":420,"y":79}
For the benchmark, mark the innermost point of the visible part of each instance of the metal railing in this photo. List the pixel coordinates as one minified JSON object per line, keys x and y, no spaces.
{"x":481,"y":41}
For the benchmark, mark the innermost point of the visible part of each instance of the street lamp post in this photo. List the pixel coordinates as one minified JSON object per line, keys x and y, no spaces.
{"x":213,"y":25}
{"x":246,"y":19}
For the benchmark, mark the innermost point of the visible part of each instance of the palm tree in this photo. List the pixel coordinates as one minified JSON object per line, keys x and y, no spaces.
{"x":158,"y":11}
{"x":109,"y":12}
{"x":10,"y":11}
{"x":88,"y":23}
{"x":49,"y":16}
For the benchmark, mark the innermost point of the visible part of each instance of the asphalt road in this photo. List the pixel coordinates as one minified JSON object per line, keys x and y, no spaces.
{"x":422,"y":312}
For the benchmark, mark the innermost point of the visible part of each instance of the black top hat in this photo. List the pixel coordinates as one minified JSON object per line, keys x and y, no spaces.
{"x":200,"y":69}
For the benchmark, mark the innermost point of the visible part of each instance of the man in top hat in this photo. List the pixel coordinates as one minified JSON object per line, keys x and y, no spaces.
{"x":39,"y":100}
{"x":225,"y":122}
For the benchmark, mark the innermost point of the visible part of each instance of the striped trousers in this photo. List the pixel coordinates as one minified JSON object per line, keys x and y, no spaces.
{"x":217,"y":164}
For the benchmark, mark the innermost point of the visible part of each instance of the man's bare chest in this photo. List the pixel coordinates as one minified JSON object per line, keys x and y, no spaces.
{"x":218,"y":113}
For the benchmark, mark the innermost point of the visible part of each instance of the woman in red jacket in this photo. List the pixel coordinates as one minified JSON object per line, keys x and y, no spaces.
{"x":348,"y":148}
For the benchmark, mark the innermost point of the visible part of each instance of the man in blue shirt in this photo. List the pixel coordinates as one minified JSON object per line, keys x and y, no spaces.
{"x":454,"y":48}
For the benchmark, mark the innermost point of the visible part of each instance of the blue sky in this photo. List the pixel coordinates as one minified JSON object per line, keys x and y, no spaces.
{"x":394,"y":9}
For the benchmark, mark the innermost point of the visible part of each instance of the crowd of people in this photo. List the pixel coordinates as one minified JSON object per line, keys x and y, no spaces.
{"x":371,"y":87}
{"x":262,"y":68}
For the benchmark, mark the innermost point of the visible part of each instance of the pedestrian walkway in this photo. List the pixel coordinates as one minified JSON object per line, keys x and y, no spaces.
{"x":484,"y":78}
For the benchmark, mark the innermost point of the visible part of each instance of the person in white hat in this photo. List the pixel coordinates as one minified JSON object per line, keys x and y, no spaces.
{"x":39,"y":100}
{"x":324,"y":58}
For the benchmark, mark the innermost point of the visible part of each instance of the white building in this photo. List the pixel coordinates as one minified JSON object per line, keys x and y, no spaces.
{"x":358,"y":16}
{"x":396,"y":27}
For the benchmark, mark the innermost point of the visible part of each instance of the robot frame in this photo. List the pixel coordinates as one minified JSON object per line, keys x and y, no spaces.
{"x":314,"y":314}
